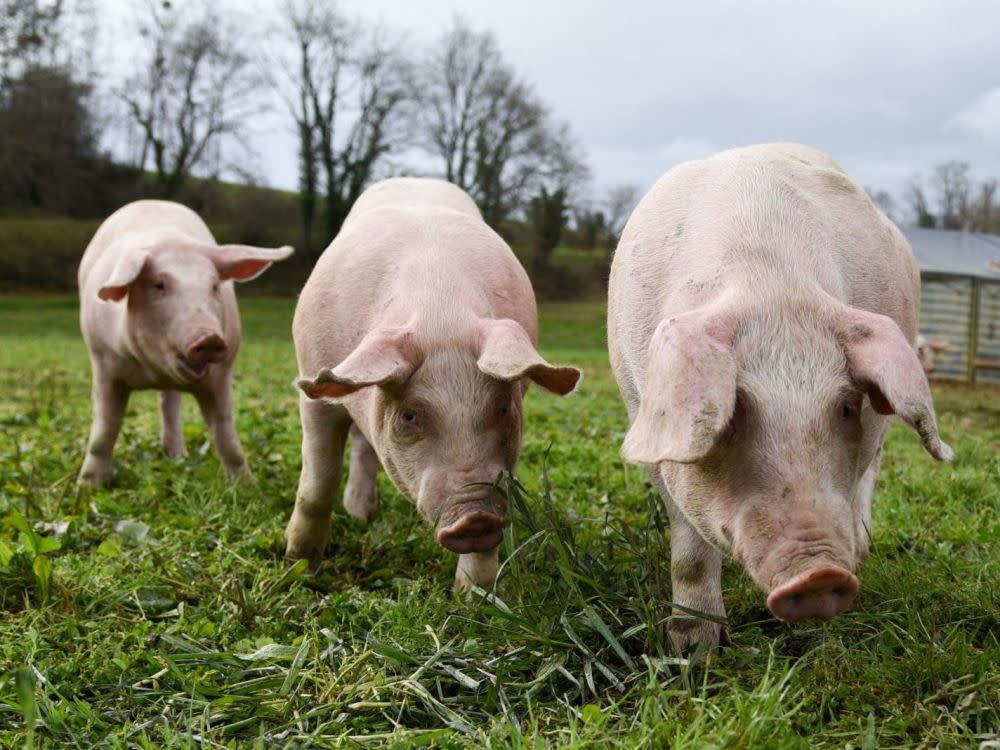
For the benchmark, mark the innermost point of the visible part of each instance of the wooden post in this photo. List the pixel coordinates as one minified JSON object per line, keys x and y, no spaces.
{"x":973,"y":349}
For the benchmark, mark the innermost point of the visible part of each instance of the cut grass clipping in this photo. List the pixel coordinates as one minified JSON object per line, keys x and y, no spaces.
{"x":159,"y":613}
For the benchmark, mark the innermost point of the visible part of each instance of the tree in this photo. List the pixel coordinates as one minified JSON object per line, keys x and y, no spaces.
{"x":349,"y":105}
{"x":548,"y":216}
{"x":495,"y":137}
{"x":983,"y":211}
{"x":590,"y":224}
{"x":49,"y":146}
{"x":951,"y":180}
{"x":621,"y":200}
{"x":195,"y":87}
{"x":49,"y":133}
{"x":29,"y":35}
{"x":917,"y":201}
{"x":884,"y":201}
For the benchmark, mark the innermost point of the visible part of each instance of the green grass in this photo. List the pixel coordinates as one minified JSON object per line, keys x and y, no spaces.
{"x":162,"y":614}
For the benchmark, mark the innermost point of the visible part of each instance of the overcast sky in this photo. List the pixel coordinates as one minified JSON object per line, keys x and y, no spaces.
{"x":887,"y":88}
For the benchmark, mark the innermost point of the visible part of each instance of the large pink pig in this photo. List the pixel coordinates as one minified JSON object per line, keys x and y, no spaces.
{"x":158,"y":311}
{"x":762,"y":314}
{"x":416,"y":333}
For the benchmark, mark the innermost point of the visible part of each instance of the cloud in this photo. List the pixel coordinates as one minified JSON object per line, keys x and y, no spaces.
{"x":684,"y":149}
{"x":981,"y":118}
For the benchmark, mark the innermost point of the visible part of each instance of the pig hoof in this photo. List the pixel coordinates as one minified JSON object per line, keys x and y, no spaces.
{"x":360,"y":503}
{"x":313,"y":555}
{"x":696,"y":637}
{"x":240,"y":474}
{"x":823,"y":592}
{"x":175,"y":450}
{"x":94,"y":478}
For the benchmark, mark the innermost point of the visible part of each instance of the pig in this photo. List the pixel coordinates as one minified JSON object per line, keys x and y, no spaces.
{"x":761,"y":319}
{"x":927,"y":349}
{"x":416,"y":334}
{"x":158,"y":310}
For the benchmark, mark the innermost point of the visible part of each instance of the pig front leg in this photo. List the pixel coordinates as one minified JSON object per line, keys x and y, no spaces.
{"x":360,"y":498}
{"x":217,"y":410}
{"x":696,"y":580}
{"x":863,"y":509}
{"x":171,"y":432}
{"x":324,"y":432}
{"x":477,"y":568}
{"x":109,"y":401}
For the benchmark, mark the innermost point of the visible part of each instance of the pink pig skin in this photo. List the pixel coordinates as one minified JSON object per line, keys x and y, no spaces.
{"x":762,"y":315}
{"x":158,"y":310}
{"x":416,"y":334}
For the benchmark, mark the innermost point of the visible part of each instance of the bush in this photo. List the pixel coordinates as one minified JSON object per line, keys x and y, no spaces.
{"x":42,"y":254}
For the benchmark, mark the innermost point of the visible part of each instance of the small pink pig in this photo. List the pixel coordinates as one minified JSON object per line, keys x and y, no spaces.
{"x":416,"y":334}
{"x":158,"y":310}
{"x":761,"y":321}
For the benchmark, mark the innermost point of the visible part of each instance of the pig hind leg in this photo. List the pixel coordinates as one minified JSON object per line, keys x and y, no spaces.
{"x":696,"y":580}
{"x":324,"y":432}
{"x":360,"y":496}
{"x":171,"y":431}
{"x":109,"y":401}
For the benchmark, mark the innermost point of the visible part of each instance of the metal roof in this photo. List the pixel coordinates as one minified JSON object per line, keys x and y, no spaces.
{"x":959,"y":253}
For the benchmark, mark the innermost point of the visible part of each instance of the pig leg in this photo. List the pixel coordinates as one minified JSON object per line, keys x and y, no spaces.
{"x":477,"y":568}
{"x":217,"y":410}
{"x":109,"y":401}
{"x":863,"y":510}
{"x":171,"y":432}
{"x":696,"y":579}
{"x":360,"y":498}
{"x":324,"y":432}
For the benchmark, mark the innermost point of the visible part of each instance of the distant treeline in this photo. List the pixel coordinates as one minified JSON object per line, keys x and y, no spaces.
{"x":82,"y":133}
{"x":179,"y":113}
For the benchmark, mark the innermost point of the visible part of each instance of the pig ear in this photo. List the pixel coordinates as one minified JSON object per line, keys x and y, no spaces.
{"x":507,"y":354}
{"x":125,"y":272}
{"x":383,"y":357}
{"x":244,"y":262}
{"x":689,"y":394}
{"x":884,"y":365}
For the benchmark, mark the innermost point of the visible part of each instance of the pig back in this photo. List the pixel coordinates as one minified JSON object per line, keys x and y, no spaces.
{"x":133,"y":219}
{"x":400,"y":262}
{"x":780,"y":213}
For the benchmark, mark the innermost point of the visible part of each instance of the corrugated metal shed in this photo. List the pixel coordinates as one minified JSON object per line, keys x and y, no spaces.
{"x":960,"y":300}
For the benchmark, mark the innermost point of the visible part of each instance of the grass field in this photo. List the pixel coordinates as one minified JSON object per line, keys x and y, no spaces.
{"x":159,"y":613}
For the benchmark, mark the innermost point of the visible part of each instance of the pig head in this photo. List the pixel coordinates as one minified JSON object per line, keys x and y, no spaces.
{"x":180,"y":313}
{"x":444,"y":416}
{"x":763,"y":420}
{"x":158,"y":311}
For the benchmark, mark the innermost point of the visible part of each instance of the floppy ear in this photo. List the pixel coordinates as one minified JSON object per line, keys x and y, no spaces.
{"x":689,"y":394}
{"x":244,"y":262}
{"x":884,"y":365}
{"x":383,"y":357}
{"x":125,"y":272}
{"x":507,"y":354}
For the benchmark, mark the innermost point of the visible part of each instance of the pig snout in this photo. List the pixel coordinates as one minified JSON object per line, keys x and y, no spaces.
{"x":822,"y":592}
{"x":805,"y":565}
{"x":205,"y":350}
{"x":472,"y":525}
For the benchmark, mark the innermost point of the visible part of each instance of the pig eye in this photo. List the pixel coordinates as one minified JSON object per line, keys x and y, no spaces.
{"x":215,"y":287}
{"x":409,"y":418}
{"x":161,"y":285}
{"x":848,"y":411}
